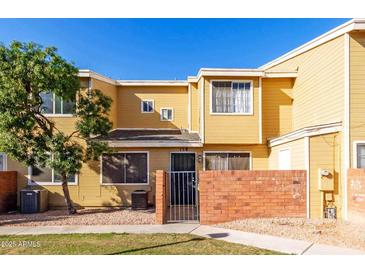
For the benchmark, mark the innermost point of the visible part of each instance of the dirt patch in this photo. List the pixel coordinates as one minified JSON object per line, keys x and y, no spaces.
{"x":331,"y":232}
{"x":83,"y":217}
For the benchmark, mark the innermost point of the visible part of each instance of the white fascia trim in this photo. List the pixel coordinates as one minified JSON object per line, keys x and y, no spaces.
{"x":178,"y":83}
{"x":229,"y":72}
{"x":153,"y":144}
{"x":92,"y":74}
{"x":306,"y":132}
{"x":353,"y":24}
{"x":142,"y":128}
{"x":278,"y":74}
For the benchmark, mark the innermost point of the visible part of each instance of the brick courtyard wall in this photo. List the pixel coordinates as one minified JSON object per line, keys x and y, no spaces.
{"x":160,"y":204}
{"x":8,"y":191}
{"x":356,"y":194}
{"x":232,"y":195}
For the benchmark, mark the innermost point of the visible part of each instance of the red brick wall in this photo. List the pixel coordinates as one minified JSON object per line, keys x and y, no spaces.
{"x":160,"y":204}
{"x":231,"y":195}
{"x":356,"y":194}
{"x":8,"y":190}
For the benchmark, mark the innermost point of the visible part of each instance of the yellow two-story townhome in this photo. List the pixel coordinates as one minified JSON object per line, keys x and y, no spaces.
{"x":304,"y":111}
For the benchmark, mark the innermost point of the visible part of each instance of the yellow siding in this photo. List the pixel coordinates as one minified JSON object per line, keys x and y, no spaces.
{"x":297,"y":155}
{"x":357,"y":89}
{"x":90,"y":191}
{"x":231,"y":129}
{"x":111,"y":91}
{"x":129,"y":107}
{"x":325,"y":152}
{"x":277,"y":100}
{"x":319,"y":88}
{"x":194,"y":100}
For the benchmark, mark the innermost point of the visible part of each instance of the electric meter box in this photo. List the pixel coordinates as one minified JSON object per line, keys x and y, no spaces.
{"x":325,"y":179}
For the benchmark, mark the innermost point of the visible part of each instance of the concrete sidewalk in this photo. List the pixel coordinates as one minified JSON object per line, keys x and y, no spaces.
{"x":274,"y":243}
{"x":279,"y":244}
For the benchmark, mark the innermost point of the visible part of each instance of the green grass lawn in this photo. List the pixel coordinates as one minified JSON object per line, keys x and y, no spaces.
{"x":143,"y":244}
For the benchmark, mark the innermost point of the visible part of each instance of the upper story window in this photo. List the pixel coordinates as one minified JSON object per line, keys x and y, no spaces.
{"x":235,"y":97}
{"x":53,"y":104}
{"x":147,"y":106}
{"x":167,"y":114}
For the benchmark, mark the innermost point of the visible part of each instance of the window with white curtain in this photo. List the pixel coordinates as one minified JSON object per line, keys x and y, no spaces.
{"x":232,"y":97}
{"x":227,"y":161}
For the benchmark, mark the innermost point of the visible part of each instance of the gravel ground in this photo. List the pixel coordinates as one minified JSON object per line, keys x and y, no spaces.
{"x":332,"y":232}
{"x":83,"y":217}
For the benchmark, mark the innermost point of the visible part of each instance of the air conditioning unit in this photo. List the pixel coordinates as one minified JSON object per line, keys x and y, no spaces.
{"x":139,"y":199}
{"x":33,"y":201}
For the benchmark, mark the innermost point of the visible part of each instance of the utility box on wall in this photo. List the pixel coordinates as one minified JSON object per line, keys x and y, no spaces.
{"x":325,"y":179}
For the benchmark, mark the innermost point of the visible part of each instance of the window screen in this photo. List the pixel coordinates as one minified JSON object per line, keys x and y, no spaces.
{"x":124,"y":168}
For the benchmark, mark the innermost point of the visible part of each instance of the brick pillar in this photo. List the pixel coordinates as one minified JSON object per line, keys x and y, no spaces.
{"x":160,"y":197}
{"x":8,"y":190}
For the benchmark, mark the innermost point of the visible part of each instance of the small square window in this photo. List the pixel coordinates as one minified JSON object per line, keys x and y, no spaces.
{"x":147,"y":106}
{"x":166,"y":114}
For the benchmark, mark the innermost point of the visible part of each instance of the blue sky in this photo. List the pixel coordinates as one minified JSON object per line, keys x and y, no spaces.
{"x":166,"y":48}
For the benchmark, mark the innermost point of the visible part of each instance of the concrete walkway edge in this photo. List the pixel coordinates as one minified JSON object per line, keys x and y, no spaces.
{"x":280,"y":244}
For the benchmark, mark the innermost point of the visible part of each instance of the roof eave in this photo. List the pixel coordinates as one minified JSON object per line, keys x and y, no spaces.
{"x":354,"y":24}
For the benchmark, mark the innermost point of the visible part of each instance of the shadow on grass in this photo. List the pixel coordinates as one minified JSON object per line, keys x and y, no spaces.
{"x":156,"y":246}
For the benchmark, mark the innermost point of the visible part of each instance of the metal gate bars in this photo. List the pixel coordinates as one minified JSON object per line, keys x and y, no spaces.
{"x":182,"y":196}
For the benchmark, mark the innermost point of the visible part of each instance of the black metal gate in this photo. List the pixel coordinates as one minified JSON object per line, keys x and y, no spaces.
{"x":182,"y":189}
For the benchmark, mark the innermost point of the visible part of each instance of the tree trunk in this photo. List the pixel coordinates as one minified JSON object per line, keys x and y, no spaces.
{"x":66,"y":193}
